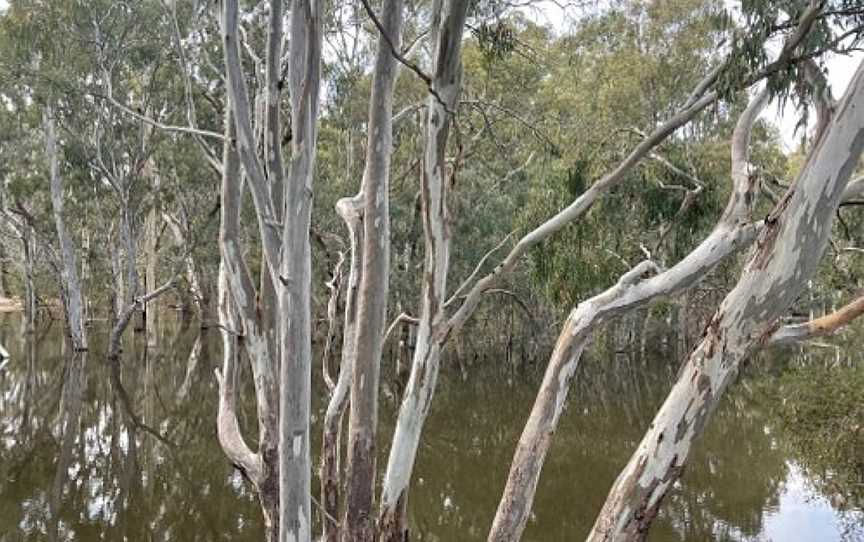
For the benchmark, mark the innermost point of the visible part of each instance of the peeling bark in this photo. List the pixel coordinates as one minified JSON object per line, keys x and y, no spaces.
{"x":448,"y":22}
{"x":819,"y":327}
{"x":784,"y":258}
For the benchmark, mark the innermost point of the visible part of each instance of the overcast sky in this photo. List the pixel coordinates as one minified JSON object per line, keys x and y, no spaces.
{"x":840,"y":68}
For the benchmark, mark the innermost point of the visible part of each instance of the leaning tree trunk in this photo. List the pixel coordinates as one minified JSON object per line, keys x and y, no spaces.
{"x":372,"y":291}
{"x":785,"y":257}
{"x":449,"y":21}
{"x":73,"y":299}
{"x":733,"y":232}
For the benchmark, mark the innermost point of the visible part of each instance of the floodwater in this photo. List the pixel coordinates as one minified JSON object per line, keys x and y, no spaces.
{"x":73,"y":466}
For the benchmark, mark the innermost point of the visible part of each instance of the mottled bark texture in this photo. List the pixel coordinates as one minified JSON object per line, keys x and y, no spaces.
{"x":295,"y":280}
{"x":448,"y":23}
{"x":351,"y":211}
{"x":704,"y":94}
{"x":283,"y":204}
{"x":785,"y":256}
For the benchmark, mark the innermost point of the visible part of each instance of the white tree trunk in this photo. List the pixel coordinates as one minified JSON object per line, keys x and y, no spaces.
{"x":239,"y":315}
{"x":151,"y":255}
{"x":733,"y":232}
{"x":69,"y":277}
{"x":351,"y":211}
{"x":295,"y":274}
{"x":448,"y":23}
{"x":286,"y":251}
{"x":786,"y":254}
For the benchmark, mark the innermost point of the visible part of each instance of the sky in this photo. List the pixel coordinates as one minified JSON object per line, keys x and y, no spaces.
{"x":840,"y":72}
{"x":840,"y":68}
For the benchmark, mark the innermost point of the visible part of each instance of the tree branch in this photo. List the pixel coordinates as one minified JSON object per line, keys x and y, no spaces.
{"x":819,"y":327}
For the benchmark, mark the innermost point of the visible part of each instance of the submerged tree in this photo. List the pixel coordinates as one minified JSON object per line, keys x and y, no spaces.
{"x":534,"y":141}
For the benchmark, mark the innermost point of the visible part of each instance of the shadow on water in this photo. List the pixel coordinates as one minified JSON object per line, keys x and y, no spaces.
{"x":91,"y":451}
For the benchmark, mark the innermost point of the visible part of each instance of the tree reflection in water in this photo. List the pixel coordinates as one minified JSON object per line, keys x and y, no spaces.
{"x":80,"y":459}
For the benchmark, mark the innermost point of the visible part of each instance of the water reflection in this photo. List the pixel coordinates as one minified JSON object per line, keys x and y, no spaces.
{"x":91,"y":451}
{"x":78,"y":457}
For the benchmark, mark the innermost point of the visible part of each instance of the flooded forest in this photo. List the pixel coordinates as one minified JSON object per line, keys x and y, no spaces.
{"x":431,"y":270}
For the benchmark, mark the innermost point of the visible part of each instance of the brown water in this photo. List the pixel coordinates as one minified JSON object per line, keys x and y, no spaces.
{"x":73,"y":467}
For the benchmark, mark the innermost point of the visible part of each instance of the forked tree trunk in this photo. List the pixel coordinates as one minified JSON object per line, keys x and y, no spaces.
{"x":351,"y":211}
{"x":372,"y":292}
{"x":286,"y":252}
{"x":72,"y":286}
{"x":448,"y":23}
{"x":239,"y":316}
{"x":733,"y":232}
{"x":703,"y":95}
{"x":785,"y":257}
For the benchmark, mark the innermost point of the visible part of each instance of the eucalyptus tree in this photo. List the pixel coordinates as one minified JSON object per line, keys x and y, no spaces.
{"x":116,"y":132}
{"x":72,"y":298}
{"x":786,"y":254}
{"x":371,"y":259}
{"x":515,"y":505}
{"x":282,"y":469}
{"x":89,"y":139}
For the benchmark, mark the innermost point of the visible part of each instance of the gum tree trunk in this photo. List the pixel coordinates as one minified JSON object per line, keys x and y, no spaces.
{"x":448,"y":23}
{"x":733,"y":232}
{"x":351,"y":211}
{"x":239,"y":317}
{"x":786,"y":254}
{"x":71,"y":285}
{"x":373,"y":286}
{"x":295,"y":273}
{"x":286,"y":252}
{"x":151,"y":258}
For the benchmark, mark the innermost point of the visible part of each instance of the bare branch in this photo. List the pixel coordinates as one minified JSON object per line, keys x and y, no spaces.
{"x":155,"y":123}
{"x":404,"y":317}
{"x":467,"y":282}
{"x":819,"y":327}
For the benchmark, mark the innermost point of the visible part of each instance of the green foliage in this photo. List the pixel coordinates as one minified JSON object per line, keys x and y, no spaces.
{"x":496,"y":40}
{"x":837,"y":29}
{"x":617,"y":75}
